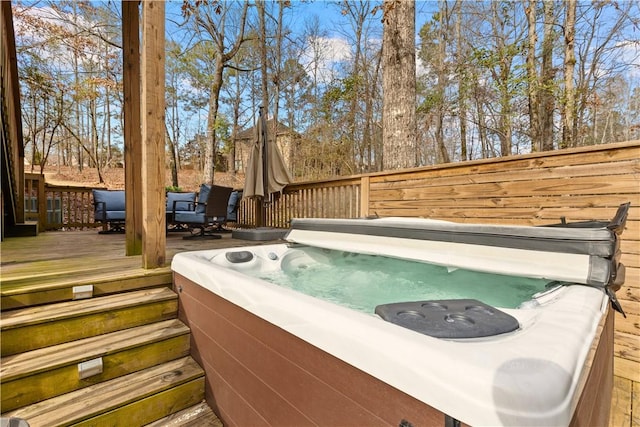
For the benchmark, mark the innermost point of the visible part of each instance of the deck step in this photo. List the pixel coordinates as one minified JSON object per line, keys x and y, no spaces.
{"x":32,"y":289}
{"x":134,"y":399}
{"x":40,"y":374}
{"x":37,"y":327}
{"x":200,"y":415}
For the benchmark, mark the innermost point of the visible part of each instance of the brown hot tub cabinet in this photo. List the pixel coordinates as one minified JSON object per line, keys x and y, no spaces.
{"x":259,"y":374}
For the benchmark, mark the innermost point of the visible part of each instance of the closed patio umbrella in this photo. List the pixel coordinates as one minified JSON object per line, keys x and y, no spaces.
{"x":266,"y":169}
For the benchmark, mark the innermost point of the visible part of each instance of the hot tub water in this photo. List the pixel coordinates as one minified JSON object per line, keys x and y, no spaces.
{"x":361,"y":282}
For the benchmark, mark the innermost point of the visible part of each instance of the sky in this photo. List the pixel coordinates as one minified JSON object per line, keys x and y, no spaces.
{"x":329,"y":16}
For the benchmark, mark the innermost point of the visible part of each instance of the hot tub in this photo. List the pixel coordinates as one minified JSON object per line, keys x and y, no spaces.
{"x":276,"y":356}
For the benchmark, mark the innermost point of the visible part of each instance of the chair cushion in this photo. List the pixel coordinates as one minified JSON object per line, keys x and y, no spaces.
{"x":203,"y":195}
{"x":184,"y":201}
{"x":109,"y":205}
{"x":113,"y":216}
{"x":232,"y":206}
{"x":189,"y":217}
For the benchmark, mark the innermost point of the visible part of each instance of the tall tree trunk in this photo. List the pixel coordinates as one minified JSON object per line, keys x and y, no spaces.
{"x":443,"y":155}
{"x":262,"y":35}
{"x":173,"y":160}
{"x":107,"y":106}
{"x":502,"y":76}
{"x":462,"y":81}
{"x":533,"y":80}
{"x":568,"y":135}
{"x":234,"y":129}
{"x":358,"y":12}
{"x":210,"y":147}
{"x":547,"y":100}
{"x":371,"y":142}
{"x":481,"y":120}
{"x":399,"y":85}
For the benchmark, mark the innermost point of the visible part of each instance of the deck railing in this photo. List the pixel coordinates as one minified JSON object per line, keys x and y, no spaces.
{"x":58,"y":207}
{"x":336,"y":198}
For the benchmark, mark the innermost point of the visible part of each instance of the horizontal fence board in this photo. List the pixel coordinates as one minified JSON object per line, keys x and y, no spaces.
{"x":630,"y":260}
{"x":592,"y":170}
{"x":627,"y":346}
{"x":630,"y":306}
{"x":336,"y":182}
{"x":526,"y":162}
{"x":575,"y":202}
{"x":551,"y":215}
{"x":631,"y":288}
{"x":630,"y":247}
{"x":626,"y":369}
{"x":630,"y":324}
{"x":605,"y":185}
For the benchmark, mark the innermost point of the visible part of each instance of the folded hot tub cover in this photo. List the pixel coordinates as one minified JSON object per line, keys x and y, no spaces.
{"x":586,"y":253}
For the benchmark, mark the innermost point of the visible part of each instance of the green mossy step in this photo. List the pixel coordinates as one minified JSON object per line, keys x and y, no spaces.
{"x":38,"y":327}
{"x":132,"y":400}
{"x":30,"y":377}
{"x":33,"y":289}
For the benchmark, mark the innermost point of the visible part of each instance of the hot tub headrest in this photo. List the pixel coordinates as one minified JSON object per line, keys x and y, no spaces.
{"x":458,"y":318}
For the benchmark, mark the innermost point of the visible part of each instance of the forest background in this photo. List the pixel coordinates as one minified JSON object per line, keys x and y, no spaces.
{"x":494,"y":78}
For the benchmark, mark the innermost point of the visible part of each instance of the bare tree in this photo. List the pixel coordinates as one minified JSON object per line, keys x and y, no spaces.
{"x":569,"y":105}
{"x":211,"y":20}
{"x":399,"y":85}
{"x":547,"y":83}
{"x":533,"y":80}
{"x":463,"y":79}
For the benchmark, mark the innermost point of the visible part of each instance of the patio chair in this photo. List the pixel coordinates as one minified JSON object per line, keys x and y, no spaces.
{"x":179,"y":202}
{"x":109,"y":209}
{"x":218,"y":209}
{"x":233,"y":205}
{"x":206,"y":220}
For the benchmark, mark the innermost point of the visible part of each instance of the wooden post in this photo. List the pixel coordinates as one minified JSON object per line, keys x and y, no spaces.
{"x":132,"y":132}
{"x":153,"y":135}
{"x":42,"y":203}
{"x":364,"y":196}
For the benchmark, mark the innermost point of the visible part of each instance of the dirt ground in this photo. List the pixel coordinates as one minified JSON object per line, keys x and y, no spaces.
{"x":188,"y":180}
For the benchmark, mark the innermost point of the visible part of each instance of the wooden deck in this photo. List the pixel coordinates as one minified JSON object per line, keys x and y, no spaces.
{"x":87,"y":252}
{"x":88,"y":255}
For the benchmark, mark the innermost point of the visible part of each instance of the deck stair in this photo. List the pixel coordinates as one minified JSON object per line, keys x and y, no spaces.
{"x":116,"y":359}
{"x":30,"y":289}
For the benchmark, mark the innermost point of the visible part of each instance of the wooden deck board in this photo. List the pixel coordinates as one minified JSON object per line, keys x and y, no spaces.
{"x":199,"y":415}
{"x":44,"y":268}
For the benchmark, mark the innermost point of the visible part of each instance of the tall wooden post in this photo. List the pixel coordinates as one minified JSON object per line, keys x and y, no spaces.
{"x":132,"y":131}
{"x":365,"y":186}
{"x":153,"y":135}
